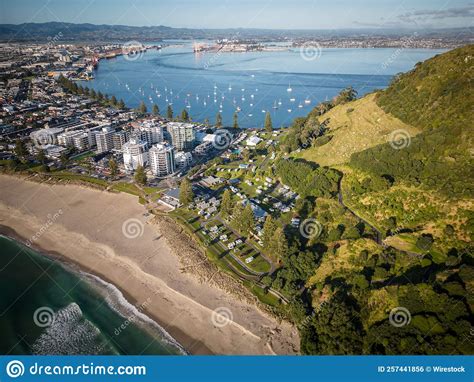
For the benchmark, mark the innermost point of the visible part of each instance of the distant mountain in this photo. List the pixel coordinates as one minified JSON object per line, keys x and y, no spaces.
{"x":91,"y":32}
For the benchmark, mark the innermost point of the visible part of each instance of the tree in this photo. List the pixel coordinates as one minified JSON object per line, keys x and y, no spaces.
{"x":226,"y":204}
{"x":268,"y":122}
{"x":142,"y":108}
{"x":63,"y":158}
{"x":41,"y":156}
{"x":155,"y":110}
{"x":269,"y":228}
{"x":218,"y":120}
{"x":236,"y":121}
{"x":206,"y":122}
{"x":336,"y":329}
{"x":425,"y":242}
{"x":113,"y":167}
{"x":280,"y":243}
{"x":237,"y":215}
{"x":169,"y":112}
{"x":20,"y":150}
{"x":186,"y":194}
{"x":93,"y":94}
{"x":113,"y":100}
{"x":247,"y":222}
{"x":140,"y":176}
{"x":100,"y":96}
{"x":185,"y":115}
{"x":351,"y":233}
{"x":346,"y":95}
{"x":121,"y":105}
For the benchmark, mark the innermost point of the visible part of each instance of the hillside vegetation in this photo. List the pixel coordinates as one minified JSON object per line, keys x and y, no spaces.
{"x":406,"y":159}
{"x":436,"y":93}
{"x":353,"y":127}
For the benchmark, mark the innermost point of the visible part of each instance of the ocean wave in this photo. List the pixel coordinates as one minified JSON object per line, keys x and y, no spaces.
{"x":117,"y":301}
{"x":70,"y":334}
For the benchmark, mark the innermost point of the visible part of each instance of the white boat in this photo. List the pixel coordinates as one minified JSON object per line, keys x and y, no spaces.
{"x":289,"y":110}
{"x":250,"y":115}
{"x":238,"y":109}
{"x":292,"y":99}
{"x":275,"y":105}
{"x":300,"y":105}
{"x":289,"y":89}
{"x":279,"y":102}
{"x":307,"y":101}
{"x":230,"y":87}
{"x":251,"y":104}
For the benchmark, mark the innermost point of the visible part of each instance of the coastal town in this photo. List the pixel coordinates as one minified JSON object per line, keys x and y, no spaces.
{"x":54,"y":129}
{"x":299,"y":233}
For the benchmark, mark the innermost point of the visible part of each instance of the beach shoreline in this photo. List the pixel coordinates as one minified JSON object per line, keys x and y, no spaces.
{"x":140,"y":269}
{"x":177,"y":334}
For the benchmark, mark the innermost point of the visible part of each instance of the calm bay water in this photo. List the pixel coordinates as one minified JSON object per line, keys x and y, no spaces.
{"x":285,"y":83}
{"x":87,"y":311}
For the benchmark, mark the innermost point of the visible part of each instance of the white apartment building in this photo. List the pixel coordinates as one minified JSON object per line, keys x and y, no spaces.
{"x":162,"y":159}
{"x":183,"y":160}
{"x":182,"y":135}
{"x":81,"y":141}
{"x":67,"y":138}
{"x":135,"y":153}
{"x":104,"y":139}
{"x":119,"y":139}
{"x":151,"y":131}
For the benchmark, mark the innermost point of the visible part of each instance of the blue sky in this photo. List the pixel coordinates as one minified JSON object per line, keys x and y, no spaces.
{"x":275,"y":14}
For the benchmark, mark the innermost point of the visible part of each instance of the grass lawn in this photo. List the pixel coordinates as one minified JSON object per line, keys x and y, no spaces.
{"x":79,"y":177}
{"x":266,"y":298}
{"x":126,"y":187}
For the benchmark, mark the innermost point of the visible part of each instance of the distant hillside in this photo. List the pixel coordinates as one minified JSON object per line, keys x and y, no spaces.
{"x":92,"y":32}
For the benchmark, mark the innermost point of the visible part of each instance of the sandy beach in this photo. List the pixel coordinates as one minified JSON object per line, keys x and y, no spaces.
{"x":109,"y":235}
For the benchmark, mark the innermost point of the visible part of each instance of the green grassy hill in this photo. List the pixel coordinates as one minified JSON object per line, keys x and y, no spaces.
{"x":353,"y":127}
{"x":436,"y":93}
{"x":406,"y":157}
{"x":430,"y":187}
